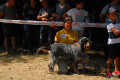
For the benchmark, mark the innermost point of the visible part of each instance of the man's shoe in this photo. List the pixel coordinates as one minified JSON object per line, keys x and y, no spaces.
{"x":24,"y":51}
{"x":109,"y":75}
{"x":8,"y":52}
{"x":116,"y":73}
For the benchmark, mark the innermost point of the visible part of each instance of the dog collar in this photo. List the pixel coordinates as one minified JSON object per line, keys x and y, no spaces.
{"x":78,"y":44}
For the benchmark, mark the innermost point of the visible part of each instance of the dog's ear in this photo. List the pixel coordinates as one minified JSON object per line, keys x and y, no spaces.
{"x":82,"y":46}
{"x":82,"y":42}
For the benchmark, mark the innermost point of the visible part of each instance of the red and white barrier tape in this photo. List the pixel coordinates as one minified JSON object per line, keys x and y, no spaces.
{"x":76,"y":25}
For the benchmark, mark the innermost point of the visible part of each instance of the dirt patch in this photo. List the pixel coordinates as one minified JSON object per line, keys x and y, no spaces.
{"x":31,"y":67}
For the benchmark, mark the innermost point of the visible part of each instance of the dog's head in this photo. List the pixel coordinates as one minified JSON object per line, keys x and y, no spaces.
{"x":85,"y":43}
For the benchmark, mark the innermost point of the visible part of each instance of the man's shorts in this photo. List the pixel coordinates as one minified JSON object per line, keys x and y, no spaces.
{"x":9,"y":30}
{"x":114,"y":50}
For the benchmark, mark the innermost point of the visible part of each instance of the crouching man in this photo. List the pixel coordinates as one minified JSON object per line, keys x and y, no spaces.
{"x":66,"y":36}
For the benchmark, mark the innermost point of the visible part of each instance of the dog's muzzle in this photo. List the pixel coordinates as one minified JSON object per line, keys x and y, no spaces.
{"x":87,"y":46}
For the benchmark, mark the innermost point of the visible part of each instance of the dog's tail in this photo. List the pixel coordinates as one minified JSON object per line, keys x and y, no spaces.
{"x":43,"y":50}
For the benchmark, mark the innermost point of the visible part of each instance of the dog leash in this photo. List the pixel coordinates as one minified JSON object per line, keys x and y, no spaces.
{"x":83,"y":59}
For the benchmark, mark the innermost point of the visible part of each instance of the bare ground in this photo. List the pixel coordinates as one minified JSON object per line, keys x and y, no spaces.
{"x":32,"y":67}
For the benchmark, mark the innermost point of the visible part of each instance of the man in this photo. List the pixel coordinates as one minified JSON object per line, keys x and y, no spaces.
{"x":30,"y":13}
{"x":104,"y":11}
{"x":47,"y":33}
{"x":104,"y":18}
{"x":8,"y":11}
{"x":79,"y":15}
{"x":66,"y":36}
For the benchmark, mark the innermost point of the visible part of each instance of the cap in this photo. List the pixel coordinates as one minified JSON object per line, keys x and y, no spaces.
{"x":111,"y":9}
{"x":42,"y":0}
{"x":68,"y":18}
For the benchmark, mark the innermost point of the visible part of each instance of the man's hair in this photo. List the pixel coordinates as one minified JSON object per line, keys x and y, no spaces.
{"x":79,"y":1}
{"x":68,"y":18}
{"x":64,"y":1}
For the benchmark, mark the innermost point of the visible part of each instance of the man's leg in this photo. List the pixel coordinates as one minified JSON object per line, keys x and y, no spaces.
{"x":6,"y":32}
{"x":6,"y":42}
{"x":109,"y":63}
{"x":116,"y":63}
{"x":13,"y":42}
{"x":80,"y":32}
{"x":43,"y":35}
{"x":33,"y":31}
{"x":26,"y":38}
{"x":13,"y":33}
{"x":51,"y":36}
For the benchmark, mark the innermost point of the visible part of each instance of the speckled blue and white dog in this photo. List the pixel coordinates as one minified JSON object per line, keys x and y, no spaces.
{"x":73,"y":52}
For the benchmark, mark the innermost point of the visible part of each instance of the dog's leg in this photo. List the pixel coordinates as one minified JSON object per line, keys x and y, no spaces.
{"x":76,"y":67}
{"x":52,"y":63}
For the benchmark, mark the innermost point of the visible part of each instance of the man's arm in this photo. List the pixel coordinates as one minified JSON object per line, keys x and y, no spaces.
{"x":85,"y":17}
{"x":41,"y":17}
{"x":65,"y":15}
{"x":17,"y":16}
{"x":103,"y":13}
{"x":1,"y":14}
{"x":115,"y":31}
{"x":102,"y":18}
{"x":51,"y":19}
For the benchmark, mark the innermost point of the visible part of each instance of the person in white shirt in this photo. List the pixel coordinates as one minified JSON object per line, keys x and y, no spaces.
{"x":79,"y":15}
{"x":113,"y":29}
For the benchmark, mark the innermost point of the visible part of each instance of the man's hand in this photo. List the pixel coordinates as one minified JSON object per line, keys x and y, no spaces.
{"x":45,"y":15}
{"x":116,"y":32}
{"x":56,"y":16}
{"x":53,"y":15}
{"x":44,"y":19}
{"x":65,"y":15}
{"x":39,"y":17}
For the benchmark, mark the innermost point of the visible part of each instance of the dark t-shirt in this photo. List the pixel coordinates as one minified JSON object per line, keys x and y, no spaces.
{"x":60,"y":11}
{"x":30,"y":13}
{"x":9,"y":12}
{"x":48,"y":10}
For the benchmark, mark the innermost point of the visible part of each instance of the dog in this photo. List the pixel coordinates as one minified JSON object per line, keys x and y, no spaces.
{"x":73,"y":53}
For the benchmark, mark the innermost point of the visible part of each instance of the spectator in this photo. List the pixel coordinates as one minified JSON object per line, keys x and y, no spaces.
{"x":8,"y":11}
{"x":29,"y":13}
{"x":61,"y":8}
{"x":47,"y":33}
{"x":113,"y":43}
{"x":79,"y":15}
{"x":105,"y":10}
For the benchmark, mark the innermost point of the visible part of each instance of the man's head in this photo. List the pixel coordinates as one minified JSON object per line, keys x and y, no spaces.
{"x":115,"y":1}
{"x":112,"y":13}
{"x":68,"y":23}
{"x":44,"y":3}
{"x":62,"y":1}
{"x":11,"y":2}
{"x":80,"y":4}
{"x":33,"y":2}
